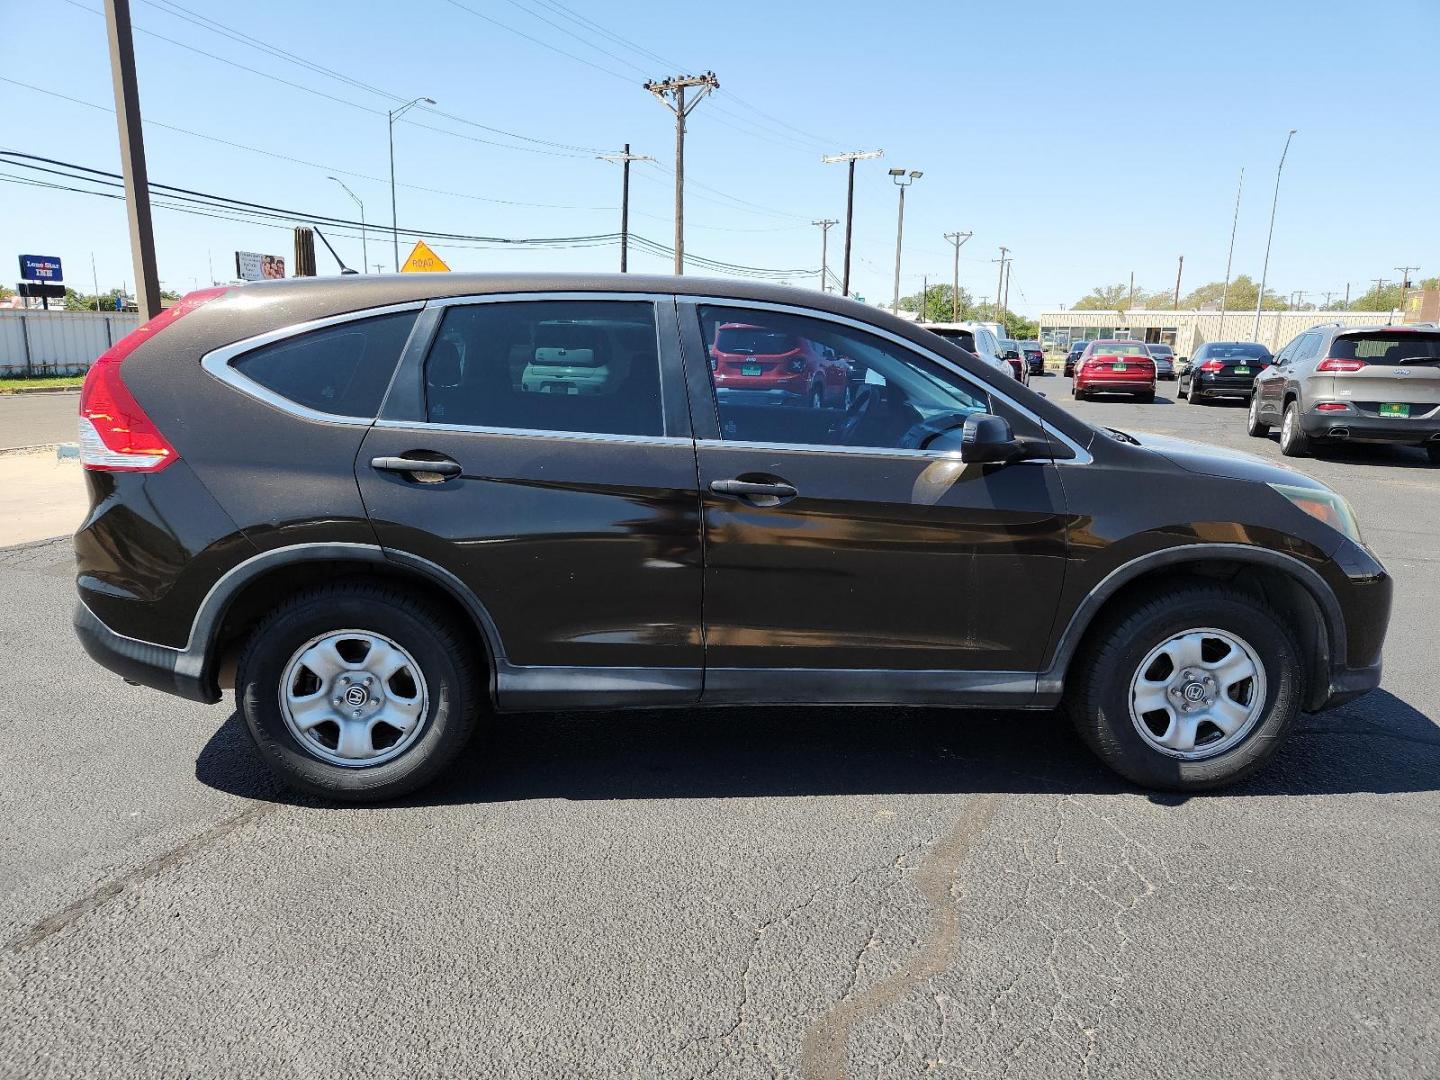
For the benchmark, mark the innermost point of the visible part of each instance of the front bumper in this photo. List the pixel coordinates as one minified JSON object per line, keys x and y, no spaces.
{"x":175,"y":671}
{"x":1356,"y":427}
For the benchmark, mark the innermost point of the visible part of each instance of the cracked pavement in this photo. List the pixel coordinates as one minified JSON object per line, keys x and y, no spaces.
{"x":736,"y":893}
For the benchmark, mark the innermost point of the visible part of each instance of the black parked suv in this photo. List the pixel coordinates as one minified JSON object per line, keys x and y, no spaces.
{"x":386,"y":508}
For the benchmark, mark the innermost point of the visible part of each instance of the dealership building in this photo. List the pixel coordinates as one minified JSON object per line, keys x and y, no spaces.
{"x":1186,"y":331}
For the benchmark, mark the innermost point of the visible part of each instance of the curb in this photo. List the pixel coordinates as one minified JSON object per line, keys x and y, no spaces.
{"x":39,"y":390}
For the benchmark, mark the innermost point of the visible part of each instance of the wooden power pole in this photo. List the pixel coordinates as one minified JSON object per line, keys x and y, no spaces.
{"x":671,"y":94}
{"x":851,"y":158}
{"x":824,"y":224}
{"x":1179,"y":270}
{"x":132,"y":157}
{"x":625,"y":158}
{"x":957,"y":239}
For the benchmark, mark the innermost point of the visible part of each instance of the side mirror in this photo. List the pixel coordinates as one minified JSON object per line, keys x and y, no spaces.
{"x":1182,"y":359}
{"x":988,"y":439}
{"x":1011,"y":354}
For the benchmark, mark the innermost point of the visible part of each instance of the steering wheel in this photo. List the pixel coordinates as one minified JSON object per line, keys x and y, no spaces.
{"x":866,"y":402}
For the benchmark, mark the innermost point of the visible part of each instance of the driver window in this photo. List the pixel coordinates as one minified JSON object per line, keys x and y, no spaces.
{"x":784,"y":379}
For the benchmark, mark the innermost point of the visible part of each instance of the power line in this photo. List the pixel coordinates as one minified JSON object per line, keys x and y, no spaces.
{"x":208,"y":202}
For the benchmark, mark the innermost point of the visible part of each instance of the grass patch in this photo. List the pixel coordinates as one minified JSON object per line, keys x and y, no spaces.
{"x":45,"y":382}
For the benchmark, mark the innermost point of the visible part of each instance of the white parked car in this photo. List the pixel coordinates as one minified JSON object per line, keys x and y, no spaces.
{"x":976,"y":338}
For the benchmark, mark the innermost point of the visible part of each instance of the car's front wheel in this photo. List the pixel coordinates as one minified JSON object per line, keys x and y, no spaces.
{"x":358,"y":692}
{"x":1191,"y":688}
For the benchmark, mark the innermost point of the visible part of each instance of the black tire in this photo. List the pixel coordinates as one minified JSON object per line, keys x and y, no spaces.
{"x":1293,"y":440}
{"x":1196,"y":397}
{"x":446,"y":657}
{"x":1253,"y":424}
{"x":1099,"y":698}
{"x":1180,"y":390}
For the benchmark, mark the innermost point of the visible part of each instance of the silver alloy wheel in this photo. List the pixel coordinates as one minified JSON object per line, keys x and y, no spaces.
{"x":353,"y":698}
{"x":1254,"y":409}
{"x":1287,"y":426}
{"x":1197,"y":694}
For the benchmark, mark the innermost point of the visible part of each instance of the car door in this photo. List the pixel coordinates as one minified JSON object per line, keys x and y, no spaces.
{"x":847,"y":562}
{"x":536,"y":449}
{"x":1270,"y":383}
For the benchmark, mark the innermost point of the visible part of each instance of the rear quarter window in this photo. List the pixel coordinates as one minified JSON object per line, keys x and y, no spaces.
{"x":342,"y":369}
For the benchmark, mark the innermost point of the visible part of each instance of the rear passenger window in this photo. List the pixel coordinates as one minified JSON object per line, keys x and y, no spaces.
{"x":342,"y":369}
{"x":585,"y":366}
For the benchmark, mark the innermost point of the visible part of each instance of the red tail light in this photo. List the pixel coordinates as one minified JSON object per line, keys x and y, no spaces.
{"x":1213,"y":365}
{"x":115,"y":433}
{"x":1335,"y":363}
{"x":1332,"y":406}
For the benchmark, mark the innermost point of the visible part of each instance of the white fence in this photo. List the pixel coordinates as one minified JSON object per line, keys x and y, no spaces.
{"x":58,"y":342}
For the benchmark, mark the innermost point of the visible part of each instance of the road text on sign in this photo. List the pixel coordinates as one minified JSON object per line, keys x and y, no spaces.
{"x":423,"y":261}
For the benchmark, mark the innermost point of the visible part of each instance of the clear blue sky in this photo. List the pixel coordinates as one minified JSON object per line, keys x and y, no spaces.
{"x":1090,"y":142}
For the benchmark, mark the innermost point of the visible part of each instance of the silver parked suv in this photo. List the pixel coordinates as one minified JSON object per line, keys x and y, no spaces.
{"x":1365,"y":384}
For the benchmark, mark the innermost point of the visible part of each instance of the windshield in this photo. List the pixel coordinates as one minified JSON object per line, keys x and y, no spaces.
{"x":1236,"y":350}
{"x":1160,"y":350}
{"x":753,"y":341}
{"x":1389,"y":347}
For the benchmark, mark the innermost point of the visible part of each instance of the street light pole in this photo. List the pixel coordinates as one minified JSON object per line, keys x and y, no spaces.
{"x":1265,"y":272}
{"x":851,"y":158}
{"x":1235,"y":221}
{"x":364,"y":244}
{"x":395,"y":114}
{"x":901,"y":179}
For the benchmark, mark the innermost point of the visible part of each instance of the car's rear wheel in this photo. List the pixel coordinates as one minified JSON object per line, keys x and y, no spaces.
{"x":1196,"y":396}
{"x":1253,"y":424}
{"x":1180,"y":389}
{"x":1190,"y":688}
{"x":1293,"y":440}
{"x":357,"y":692}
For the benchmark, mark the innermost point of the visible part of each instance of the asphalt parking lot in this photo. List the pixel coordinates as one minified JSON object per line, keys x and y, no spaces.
{"x":37,"y":419}
{"x":811,"y":893}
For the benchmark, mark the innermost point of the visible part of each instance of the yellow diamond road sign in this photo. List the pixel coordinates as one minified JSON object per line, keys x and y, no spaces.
{"x":423,"y":261}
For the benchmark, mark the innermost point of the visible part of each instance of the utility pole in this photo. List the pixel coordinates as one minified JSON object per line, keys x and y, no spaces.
{"x":1131,"y":303}
{"x":1347,"y":296}
{"x":1005,"y":303}
{"x":624,"y":158}
{"x":1000,"y":281}
{"x":378,"y":267}
{"x":1229,"y":255}
{"x":901,"y":179}
{"x":671,"y":94}
{"x":132,"y":157}
{"x":958,"y":240}
{"x":1404,"y":286}
{"x":924,"y":295}
{"x":1297,"y":298}
{"x":850,"y":158}
{"x":1328,"y":294}
{"x":1275,"y":202}
{"x":824,"y":224}
{"x":1178,"y":272}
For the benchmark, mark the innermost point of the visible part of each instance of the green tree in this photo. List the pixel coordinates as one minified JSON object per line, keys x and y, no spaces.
{"x":169,"y":294}
{"x":938,"y":306}
{"x":1383,"y":299}
{"x":1105,"y":298}
{"x":1019,"y":327}
{"x":1242,"y":294}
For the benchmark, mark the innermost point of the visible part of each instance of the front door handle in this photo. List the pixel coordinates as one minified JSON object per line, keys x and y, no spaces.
{"x":444,"y":468}
{"x":755,"y":492}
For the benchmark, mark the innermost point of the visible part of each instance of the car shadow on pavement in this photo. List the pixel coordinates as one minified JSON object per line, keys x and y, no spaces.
{"x":1378,"y":744}
{"x":1366,"y":454}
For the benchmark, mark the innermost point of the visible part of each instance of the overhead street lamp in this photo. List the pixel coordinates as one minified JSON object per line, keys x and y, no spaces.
{"x":1265,"y":272}
{"x":395,"y":114}
{"x":901,"y":179}
{"x":364,"y":248}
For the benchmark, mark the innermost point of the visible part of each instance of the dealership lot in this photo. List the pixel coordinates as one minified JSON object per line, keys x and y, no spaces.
{"x":737,"y":893}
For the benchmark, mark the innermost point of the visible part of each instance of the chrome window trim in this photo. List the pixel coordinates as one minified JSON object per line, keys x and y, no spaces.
{"x":653,"y":299}
{"x":536,"y":433}
{"x":826,"y":448}
{"x":1082,"y":456}
{"x":220,"y":363}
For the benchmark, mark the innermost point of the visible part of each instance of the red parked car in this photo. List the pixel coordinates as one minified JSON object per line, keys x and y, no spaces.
{"x":757,"y":363}
{"x":1119,"y":367}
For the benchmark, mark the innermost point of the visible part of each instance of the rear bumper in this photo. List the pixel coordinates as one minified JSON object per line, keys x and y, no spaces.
{"x":1357,"y":428}
{"x":1239,"y":388}
{"x":175,"y":671}
{"x":759,"y":396}
{"x":1118,"y":386}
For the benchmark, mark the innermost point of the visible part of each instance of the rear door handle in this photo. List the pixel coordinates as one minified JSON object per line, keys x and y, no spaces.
{"x":444,"y":467}
{"x":756,"y":492}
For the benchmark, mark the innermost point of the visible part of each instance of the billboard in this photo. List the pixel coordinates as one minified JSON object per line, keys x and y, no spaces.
{"x":40,"y":268}
{"x":252,"y":266}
